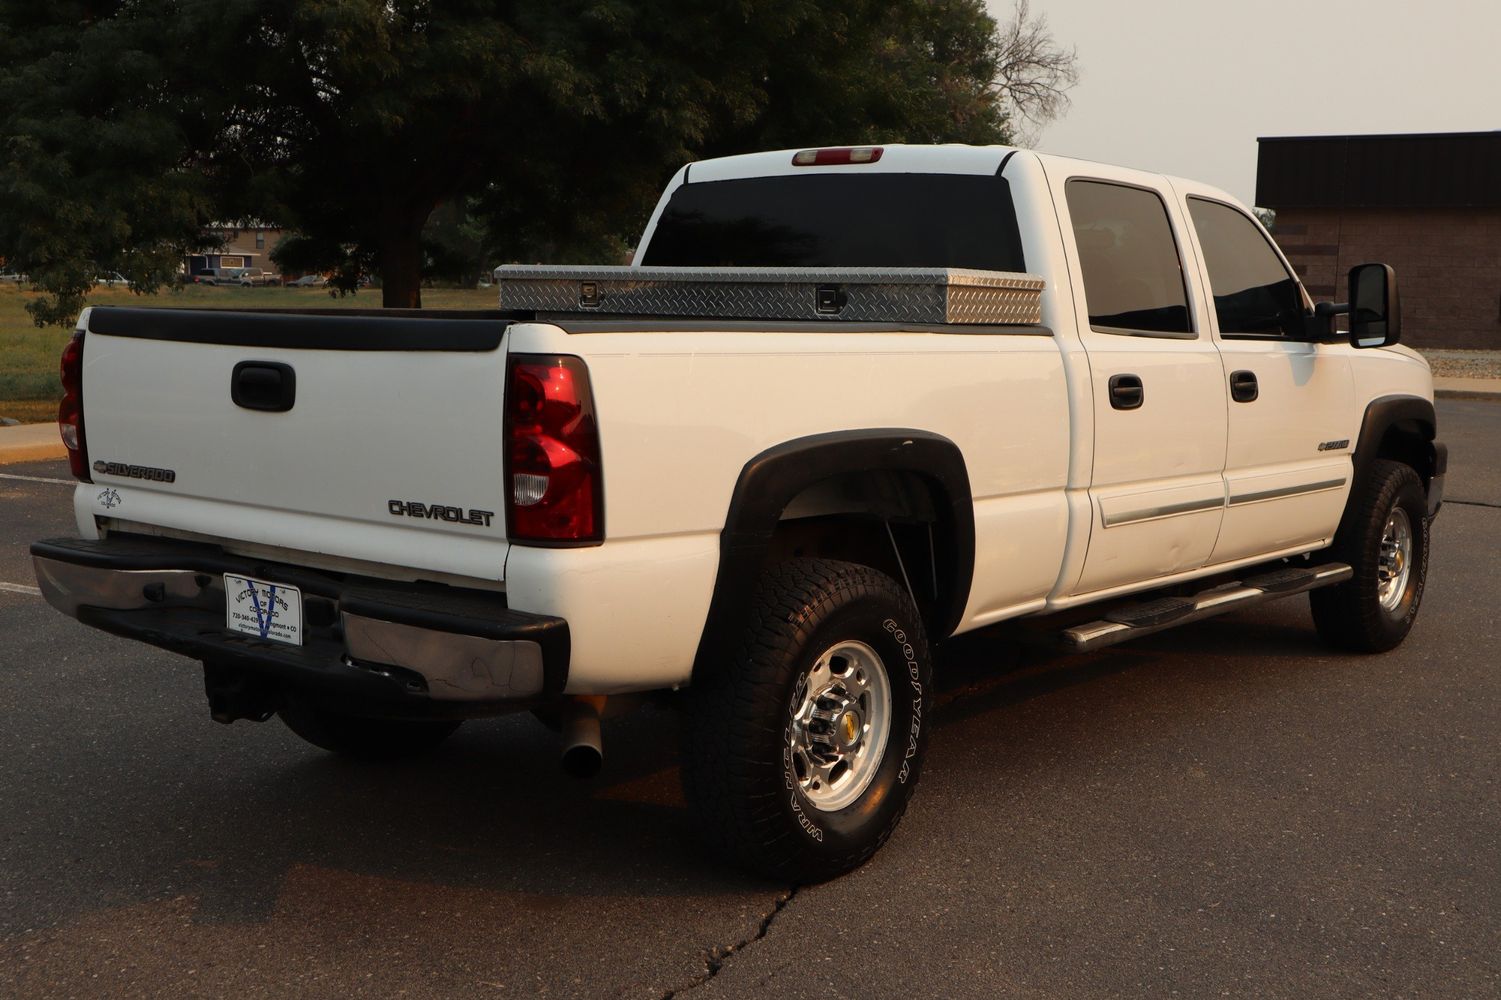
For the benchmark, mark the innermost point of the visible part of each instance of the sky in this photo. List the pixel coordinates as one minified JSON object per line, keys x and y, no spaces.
{"x":1185,"y":88}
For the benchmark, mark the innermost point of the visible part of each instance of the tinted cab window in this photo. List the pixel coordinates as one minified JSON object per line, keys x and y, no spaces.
{"x":1254,"y":295}
{"x":840,"y":220}
{"x":1133,"y":280}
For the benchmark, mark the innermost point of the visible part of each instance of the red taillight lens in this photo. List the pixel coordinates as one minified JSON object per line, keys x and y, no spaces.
{"x":552,"y":452}
{"x":837,"y":155}
{"x":70,"y":410}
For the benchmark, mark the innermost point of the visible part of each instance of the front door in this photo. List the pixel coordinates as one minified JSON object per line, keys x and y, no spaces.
{"x":1291,"y":433}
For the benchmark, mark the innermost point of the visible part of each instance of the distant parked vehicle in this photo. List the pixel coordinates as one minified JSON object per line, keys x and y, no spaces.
{"x":253,"y":276}
{"x":219,"y":276}
{"x":15,"y":278}
{"x":309,"y":281}
{"x":110,"y":279}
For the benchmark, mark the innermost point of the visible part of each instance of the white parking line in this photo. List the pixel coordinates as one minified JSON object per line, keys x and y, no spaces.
{"x":39,"y":479}
{"x":20,"y":588}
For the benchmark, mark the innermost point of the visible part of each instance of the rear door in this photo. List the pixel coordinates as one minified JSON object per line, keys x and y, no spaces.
{"x":1287,"y":466}
{"x":1156,"y":491}
{"x":368,"y":438}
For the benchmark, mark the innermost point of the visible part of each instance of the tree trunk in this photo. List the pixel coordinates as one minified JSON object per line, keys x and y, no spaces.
{"x":401,"y":262}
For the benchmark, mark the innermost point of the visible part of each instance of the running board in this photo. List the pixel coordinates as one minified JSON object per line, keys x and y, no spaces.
{"x":1136,"y":620}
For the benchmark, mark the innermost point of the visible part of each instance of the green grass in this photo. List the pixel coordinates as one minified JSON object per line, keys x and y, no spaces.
{"x":29,"y":386}
{"x":30,"y":411}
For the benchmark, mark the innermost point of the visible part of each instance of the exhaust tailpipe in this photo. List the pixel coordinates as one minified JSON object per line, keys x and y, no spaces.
{"x":583,"y":753}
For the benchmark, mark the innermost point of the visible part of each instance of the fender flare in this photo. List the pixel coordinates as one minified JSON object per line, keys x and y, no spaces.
{"x":1385,"y":412}
{"x":770,"y":480}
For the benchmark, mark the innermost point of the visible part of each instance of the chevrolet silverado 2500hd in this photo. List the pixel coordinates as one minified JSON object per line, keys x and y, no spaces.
{"x":844,"y":404}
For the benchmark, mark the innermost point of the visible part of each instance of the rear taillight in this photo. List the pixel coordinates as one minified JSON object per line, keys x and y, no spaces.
{"x":552,"y":452}
{"x":70,"y":410}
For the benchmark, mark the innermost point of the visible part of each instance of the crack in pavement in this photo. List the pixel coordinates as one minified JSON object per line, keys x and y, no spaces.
{"x":716,"y":957}
{"x":1473,"y":503}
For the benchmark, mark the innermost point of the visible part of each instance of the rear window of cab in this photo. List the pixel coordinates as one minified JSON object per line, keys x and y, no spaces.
{"x":841,"y":220}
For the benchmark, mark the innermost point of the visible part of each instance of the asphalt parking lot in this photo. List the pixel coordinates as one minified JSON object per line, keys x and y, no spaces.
{"x":1221,"y":810}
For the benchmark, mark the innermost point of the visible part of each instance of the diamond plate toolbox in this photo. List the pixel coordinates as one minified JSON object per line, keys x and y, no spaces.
{"x":925,"y":296}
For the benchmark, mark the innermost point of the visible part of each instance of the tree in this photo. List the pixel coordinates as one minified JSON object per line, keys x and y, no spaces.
{"x":1033,"y":73}
{"x":553,"y":123}
{"x":93,"y":173}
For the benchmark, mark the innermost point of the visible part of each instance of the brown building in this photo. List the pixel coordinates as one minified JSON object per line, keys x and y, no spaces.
{"x":237,"y":245}
{"x":1429,"y":205}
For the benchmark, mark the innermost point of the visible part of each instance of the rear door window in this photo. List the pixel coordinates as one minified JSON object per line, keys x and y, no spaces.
{"x":1254,"y":295}
{"x":841,"y":220}
{"x":1133,"y":276}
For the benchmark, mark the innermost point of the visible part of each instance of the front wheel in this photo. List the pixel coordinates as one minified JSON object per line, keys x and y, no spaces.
{"x":1384,"y":538}
{"x":802,"y":746}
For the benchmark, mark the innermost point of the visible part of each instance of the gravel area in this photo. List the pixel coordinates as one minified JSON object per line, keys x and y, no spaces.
{"x":1464,"y":364}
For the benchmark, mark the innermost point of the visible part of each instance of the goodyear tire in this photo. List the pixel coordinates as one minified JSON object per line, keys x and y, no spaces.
{"x":1384,"y":538}
{"x":803,"y":745}
{"x":367,"y":739}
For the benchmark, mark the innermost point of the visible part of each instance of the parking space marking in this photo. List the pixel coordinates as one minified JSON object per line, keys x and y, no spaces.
{"x":39,"y":479}
{"x":20,"y":588}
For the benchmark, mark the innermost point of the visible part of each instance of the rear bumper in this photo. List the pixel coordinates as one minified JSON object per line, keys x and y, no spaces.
{"x":416,"y":647}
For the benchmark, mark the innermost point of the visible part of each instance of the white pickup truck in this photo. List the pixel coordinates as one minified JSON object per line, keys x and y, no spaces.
{"x":845,"y":404}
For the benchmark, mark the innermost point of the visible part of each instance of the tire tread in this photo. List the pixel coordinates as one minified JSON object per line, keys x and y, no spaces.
{"x":1349,"y":615}
{"x":735,"y":709}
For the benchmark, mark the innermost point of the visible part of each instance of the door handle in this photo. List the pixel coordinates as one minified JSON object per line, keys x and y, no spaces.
{"x":1126,"y":392}
{"x":1243,"y":387}
{"x":263,"y":385}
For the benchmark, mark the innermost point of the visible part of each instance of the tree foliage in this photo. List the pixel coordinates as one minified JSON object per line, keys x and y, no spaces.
{"x":553,"y":123}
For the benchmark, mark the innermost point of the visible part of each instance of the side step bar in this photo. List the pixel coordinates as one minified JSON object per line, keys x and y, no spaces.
{"x":1136,"y":620}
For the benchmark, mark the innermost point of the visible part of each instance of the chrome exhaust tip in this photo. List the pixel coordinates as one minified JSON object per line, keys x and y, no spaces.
{"x":583,"y":753}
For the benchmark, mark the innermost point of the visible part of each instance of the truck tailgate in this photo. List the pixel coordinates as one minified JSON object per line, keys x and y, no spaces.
{"x":363,"y":437}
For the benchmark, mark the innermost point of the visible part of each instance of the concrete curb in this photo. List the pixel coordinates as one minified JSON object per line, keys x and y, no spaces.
{"x":1451,"y":387}
{"x":30,"y":443}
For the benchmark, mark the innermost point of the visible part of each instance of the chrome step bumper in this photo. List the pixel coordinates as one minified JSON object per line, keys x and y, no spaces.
{"x":367,"y":638}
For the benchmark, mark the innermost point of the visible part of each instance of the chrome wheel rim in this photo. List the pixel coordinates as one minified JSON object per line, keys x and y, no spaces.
{"x":841,"y":718}
{"x":1394,"y":563}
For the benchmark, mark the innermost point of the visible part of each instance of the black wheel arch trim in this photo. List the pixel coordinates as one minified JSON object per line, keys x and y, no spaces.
{"x":1385,"y":412}
{"x":770,"y":480}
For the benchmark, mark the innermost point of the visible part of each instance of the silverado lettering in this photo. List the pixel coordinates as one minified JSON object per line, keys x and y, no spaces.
{"x":135,"y":472}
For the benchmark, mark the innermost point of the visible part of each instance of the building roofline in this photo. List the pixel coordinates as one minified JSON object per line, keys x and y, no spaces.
{"x":1344,"y":137}
{"x":1395,"y":170}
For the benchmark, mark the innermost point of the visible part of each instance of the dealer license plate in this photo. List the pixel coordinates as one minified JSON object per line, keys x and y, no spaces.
{"x":265,"y":610}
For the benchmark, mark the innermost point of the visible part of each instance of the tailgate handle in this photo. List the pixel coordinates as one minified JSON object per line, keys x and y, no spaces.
{"x":263,"y":385}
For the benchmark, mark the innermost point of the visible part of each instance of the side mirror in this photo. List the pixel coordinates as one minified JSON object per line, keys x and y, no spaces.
{"x":1375,"y":310}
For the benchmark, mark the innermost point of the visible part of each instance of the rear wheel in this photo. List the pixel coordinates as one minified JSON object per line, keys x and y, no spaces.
{"x":1384,"y":538}
{"x":368,"y":739}
{"x":803,"y":745}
